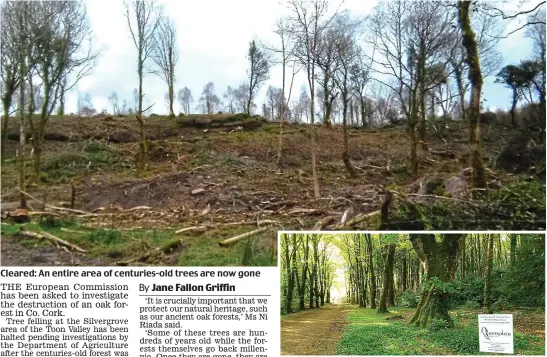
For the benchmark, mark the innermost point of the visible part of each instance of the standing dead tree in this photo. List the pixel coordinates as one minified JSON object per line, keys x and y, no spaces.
{"x":143,"y":19}
{"x":166,"y":56}
{"x":259,"y":68}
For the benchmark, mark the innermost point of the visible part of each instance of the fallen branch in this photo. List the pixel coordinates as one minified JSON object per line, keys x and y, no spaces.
{"x":445,"y":154}
{"x":229,"y":224}
{"x":40,"y":213}
{"x":358,"y":219}
{"x":323,"y":222}
{"x":191,"y":229}
{"x":242,"y":236}
{"x":44,"y":235}
{"x":302,"y":210}
{"x":60,"y":208}
{"x":72,"y":231}
{"x":137,"y":208}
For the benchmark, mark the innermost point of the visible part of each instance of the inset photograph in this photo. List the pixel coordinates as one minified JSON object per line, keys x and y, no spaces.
{"x":412,"y":294}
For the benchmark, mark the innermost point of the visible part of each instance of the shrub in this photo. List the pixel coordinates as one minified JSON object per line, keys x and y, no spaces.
{"x":469,"y":292}
{"x":240,"y":117}
{"x":518,"y":285}
{"x":437,"y":324}
{"x":95,"y":146}
{"x":409,"y":299}
{"x":522,"y":154}
{"x":471,"y":304}
{"x":516,"y":206}
{"x":488,"y":117}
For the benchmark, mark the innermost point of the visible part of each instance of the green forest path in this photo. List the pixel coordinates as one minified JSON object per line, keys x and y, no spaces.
{"x":313,"y":332}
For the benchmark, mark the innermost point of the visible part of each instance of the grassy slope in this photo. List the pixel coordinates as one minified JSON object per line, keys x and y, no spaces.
{"x":370,"y":333}
{"x":111,"y":245}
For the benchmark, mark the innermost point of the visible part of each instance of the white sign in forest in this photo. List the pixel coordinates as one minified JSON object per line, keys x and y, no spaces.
{"x":496,"y":333}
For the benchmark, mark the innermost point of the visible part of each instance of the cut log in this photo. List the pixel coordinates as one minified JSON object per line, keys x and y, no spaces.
{"x":72,"y":231}
{"x":229,"y":241}
{"x":61,"y":208}
{"x":323,"y":222}
{"x":197,"y":191}
{"x":20,"y":215}
{"x":44,"y":235}
{"x":193,"y":228}
{"x":358,"y":219}
{"x":38,"y":213}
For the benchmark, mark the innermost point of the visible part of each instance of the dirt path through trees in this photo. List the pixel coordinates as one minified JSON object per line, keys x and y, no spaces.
{"x":313,"y":332}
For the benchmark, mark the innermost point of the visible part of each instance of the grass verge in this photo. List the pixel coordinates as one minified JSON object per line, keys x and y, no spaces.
{"x":192,"y":249}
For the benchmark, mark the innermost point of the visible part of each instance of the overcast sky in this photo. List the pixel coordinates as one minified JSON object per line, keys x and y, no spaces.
{"x":213,"y":39}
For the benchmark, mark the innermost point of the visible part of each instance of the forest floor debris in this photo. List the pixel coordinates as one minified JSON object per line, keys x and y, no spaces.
{"x":235,"y":175}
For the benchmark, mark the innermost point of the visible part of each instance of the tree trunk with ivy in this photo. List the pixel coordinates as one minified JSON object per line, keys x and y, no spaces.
{"x":475,"y":77}
{"x":388,"y":278}
{"x":439,"y":260}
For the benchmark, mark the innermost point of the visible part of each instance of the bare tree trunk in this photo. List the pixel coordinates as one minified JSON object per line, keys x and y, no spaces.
{"x":5,"y":119}
{"x":141,"y":156}
{"x":23,"y":198}
{"x":462,"y":264}
{"x":372,"y":276}
{"x":421,"y":124}
{"x":461,"y":92}
{"x":283,"y":111}
{"x":345,"y":154}
{"x":61,"y":111}
{"x":513,"y":251}
{"x":488,"y":278}
{"x":388,"y":278}
{"x":171,"y":84}
{"x":363,"y":113}
{"x":328,"y":108}
{"x":405,"y":272}
{"x":475,"y":77}
{"x":513,"y":107}
{"x":413,"y":145}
